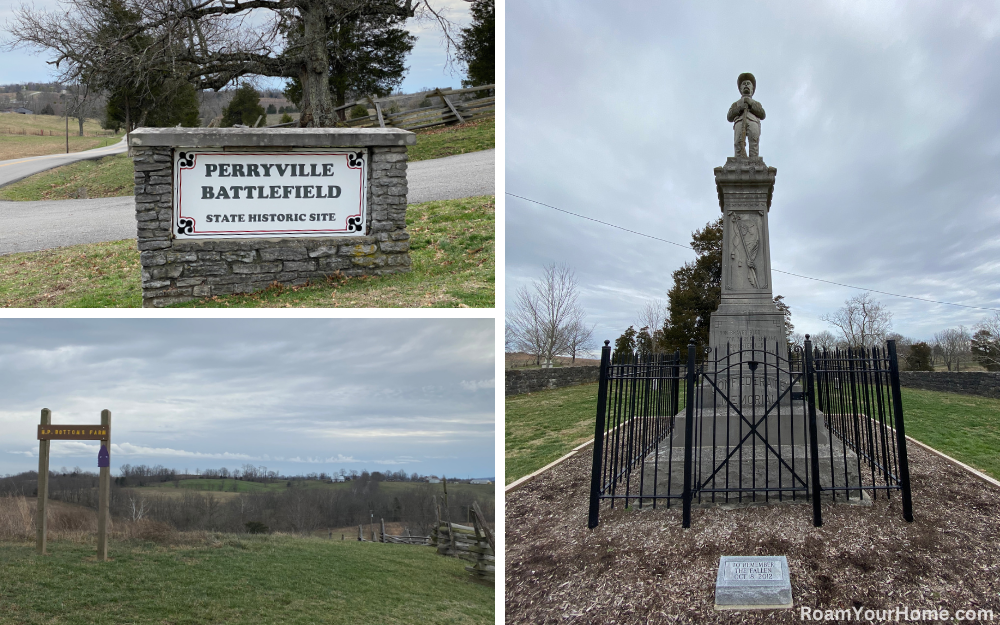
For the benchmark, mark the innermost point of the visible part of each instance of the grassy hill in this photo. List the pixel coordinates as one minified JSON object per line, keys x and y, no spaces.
{"x":226,"y":578}
{"x":13,"y":144}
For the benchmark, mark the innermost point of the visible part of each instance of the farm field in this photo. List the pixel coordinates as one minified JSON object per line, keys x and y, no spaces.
{"x":228,"y":578}
{"x":21,"y":146}
{"x":451,"y":249}
{"x":544,"y":426}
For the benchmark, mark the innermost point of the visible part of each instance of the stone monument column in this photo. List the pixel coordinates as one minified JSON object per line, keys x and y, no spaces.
{"x":745,"y":186}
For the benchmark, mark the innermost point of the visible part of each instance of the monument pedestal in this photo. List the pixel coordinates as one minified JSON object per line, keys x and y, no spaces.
{"x":747,"y":314}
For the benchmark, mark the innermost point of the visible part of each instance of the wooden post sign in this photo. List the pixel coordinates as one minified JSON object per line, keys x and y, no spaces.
{"x":48,"y":432}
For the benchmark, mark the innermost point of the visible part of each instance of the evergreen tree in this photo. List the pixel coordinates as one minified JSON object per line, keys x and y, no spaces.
{"x":986,"y":349}
{"x":476,"y":45}
{"x":697,"y":292}
{"x":624,"y":345}
{"x":244,"y":108}
{"x":367,"y":57}
{"x":271,"y":110}
{"x":919,"y":358}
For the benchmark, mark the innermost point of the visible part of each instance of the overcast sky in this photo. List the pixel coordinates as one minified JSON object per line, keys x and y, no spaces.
{"x":883,"y":121}
{"x":426,"y":63}
{"x":295,"y":395}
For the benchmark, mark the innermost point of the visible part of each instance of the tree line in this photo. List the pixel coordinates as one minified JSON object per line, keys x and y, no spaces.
{"x":149,"y":58}
{"x":296,"y":508}
{"x":546,"y":319}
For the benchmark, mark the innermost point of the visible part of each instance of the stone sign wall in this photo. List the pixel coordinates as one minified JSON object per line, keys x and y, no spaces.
{"x":310,"y":241}
{"x":983,"y":383}
{"x":521,"y":381}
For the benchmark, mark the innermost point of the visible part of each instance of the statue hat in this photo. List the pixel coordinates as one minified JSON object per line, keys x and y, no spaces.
{"x":746,"y":76}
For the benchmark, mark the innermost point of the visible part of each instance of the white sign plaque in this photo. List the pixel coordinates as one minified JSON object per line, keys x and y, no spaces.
{"x":315,"y":193}
{"x":752,"y":570}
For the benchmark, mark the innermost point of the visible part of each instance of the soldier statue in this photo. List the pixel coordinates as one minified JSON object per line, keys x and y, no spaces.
{"x":746,"y":114}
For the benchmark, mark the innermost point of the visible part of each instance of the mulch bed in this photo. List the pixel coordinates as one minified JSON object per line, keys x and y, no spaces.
{"x":642,"y":567}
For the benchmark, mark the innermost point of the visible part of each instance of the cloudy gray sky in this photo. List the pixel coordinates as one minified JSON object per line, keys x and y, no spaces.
{"x":427,"y":62}
{"x":883,"y":120}
{"x":294,"y":395}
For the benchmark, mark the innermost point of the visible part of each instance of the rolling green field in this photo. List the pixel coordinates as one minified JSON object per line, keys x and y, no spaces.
{"x":15,"y":145}
{"x":544,"y":426}
{"x":451,"y":250}
{"x":239,"y":579}
{"x":112,"y":176}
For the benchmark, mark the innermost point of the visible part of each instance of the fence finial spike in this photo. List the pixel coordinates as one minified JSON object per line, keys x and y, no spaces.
{"x":807,"y":337}
{"x":606,"y":343}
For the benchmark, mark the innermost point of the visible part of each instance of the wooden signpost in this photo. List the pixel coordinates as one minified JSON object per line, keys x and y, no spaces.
{"x":48,"y":432}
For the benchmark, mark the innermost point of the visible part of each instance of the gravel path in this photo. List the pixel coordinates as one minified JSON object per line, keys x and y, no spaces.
{"x":33,"y":226}
{"x":642,"y":567}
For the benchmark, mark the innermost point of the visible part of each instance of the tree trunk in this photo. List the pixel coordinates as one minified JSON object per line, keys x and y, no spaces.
{"x":317,"y":106}
{"x":81,"y":120}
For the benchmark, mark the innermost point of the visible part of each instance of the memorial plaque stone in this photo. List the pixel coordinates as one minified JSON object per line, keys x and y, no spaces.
{"x":753,"y":583}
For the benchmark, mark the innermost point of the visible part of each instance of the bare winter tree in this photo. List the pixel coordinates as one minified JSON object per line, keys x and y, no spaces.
{"x":579,"y":338}
{"x":542,"y":316}
{"x":210,"y":43}
{"x":824,"y":340}
{"x":986,"y":343}
{"x":863,"y":322}
{"x":955,"y":347}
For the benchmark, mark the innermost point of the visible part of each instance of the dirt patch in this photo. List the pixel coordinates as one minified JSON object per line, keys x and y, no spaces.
{"x":642,"y":567}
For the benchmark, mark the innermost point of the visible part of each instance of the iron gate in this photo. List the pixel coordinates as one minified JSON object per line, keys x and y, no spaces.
{"x":761,"y":425}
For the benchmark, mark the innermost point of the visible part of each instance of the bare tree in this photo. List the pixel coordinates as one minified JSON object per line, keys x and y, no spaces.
{"x":138,"y":507}
{"x":955,"y":346}
{"x":986,"y":343}
{"x":863,"y":321}
{"x":824,"y":340}
{"x":542,"y":315}
{"x":210,"y":43}
{"x":579,"y":338}
{"x":653,"y":315}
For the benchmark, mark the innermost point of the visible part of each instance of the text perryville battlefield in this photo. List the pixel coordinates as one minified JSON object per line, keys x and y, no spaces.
{"x":243,"y":195}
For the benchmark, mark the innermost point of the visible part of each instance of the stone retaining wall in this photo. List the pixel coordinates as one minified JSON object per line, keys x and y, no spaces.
{"x":521,"y":381}
{"x":983,"y":383}
{"x":179,"y":270}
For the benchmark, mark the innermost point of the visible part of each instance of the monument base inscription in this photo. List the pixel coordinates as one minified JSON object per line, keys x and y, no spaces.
{"x":753,"y":583}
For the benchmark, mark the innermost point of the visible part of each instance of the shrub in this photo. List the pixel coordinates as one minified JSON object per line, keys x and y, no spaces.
{"x":271,"y":110}
{"x":359,"y":110}
{"x":256,"y":527}
{"x":48,"y":110}
{"x":286,"y":118}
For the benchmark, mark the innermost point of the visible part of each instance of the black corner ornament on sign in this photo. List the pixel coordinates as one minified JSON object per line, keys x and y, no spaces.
{"x":103,"y":457}
{"x":185,"y":160}
{"x":354,"y":224}
{"x":354,"y":159}
{"x":185,"y":226}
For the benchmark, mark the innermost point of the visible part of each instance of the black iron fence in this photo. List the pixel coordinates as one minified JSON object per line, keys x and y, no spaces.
{"x":759,"y":423}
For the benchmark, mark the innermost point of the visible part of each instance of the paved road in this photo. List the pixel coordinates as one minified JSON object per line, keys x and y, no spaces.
{"x":14,"y":170}
{"x":32,"y":226}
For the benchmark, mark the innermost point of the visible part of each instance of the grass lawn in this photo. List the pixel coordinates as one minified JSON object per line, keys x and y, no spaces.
{"x":112,"y":176}
{"x":451,"y":249}
{"x":239,"y":579}
{"x":966,"y":427}
{"x":544,"y":426}
{"x":449,"y":140}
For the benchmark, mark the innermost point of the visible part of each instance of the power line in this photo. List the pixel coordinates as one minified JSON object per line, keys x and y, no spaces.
{"x":797,"y":275}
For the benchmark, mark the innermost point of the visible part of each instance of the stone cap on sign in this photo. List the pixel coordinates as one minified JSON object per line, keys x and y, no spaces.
{"x":271,"y":137}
